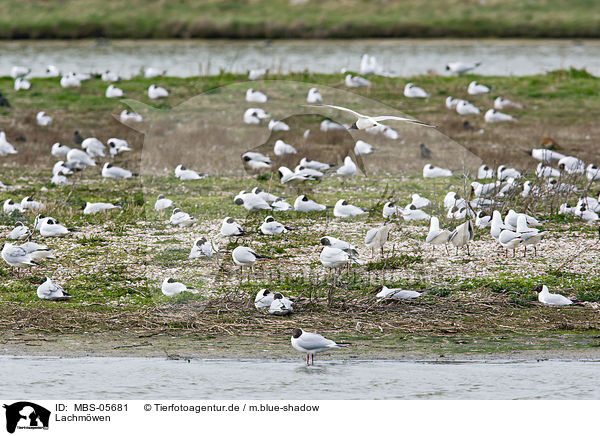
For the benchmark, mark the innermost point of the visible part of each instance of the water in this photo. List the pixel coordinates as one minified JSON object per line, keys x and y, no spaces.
{"x":146,"y":378}
{"x":400,"y":56}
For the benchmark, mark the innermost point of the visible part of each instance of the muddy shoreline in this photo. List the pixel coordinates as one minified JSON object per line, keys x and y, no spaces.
{"x":570,"y":346}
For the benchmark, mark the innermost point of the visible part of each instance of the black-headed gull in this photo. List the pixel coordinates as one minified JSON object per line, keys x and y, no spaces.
{"x":344,"y":210}
{"x":412,"y":213}
{"x":10,"y":206}
{"x":314,"y":96}
{"x":28,"y":203}
{"x":280,"y":305}
{"x":431,"y":172}
{"x":19,"y":71}
{"x":571,"y":164}
{"x":126,"y":116}
{"x":365,"y":121}
{"x":389,"y":210}
{"x":376,"y":238}
{"x":544,"y":171}
{"x":592,"y":172}
{"x":257,"y":73}
{"x":22,"y":84}
{"x":396,"y":293}
{"x":37,"y":251}
{"x":48,"y":290}
{"x":362,"y":148}
{"x":483,"y":190}
{"x":245,"y":257}
{"x":504,"y":103}
{"x":464,"y":107}
{"x":412,"y":91}
{"x":314,"y":164}
{"x":230,"y":228}
{"x":436,"y":235}
{"x":156,"y":92}
{"x":20,"y":232}
{"x":52,"y":228}
{"x":109,"y":171}
{"x":485,"y":172}
{"x":16,"y":256}
{"x":452,"y":102}
{"x":59,"y":150}
{"x":461,"y":67}
{"x":202,"y":248}
{"x":152,"y":72}
{"x":303,"y":204}
{"x":251,"y":202}
{"x":6,"y":147}
{"x":278,"y":126}
{"x":94,"y":147}
{"x":109,"y":76}
{"x":60,"y":168}
{"x":475,"y":88}
{"x":162,"y":203}
{"x":312,"y":343}
{"x":170,"y":287}
{"x":80,"y":158}
{"x":183,"y":173}
{"x":180,"y":218}
{"x":331,"y":241}
{"x":288,"y":177}
{"x":254,"y":96}
{"x":42,"y":119}
{"x":549,"y":299}
{"x":504,"y":173}
{"x":117,"y":146}
{"x":545,"y":155}
{"x":255,"y":115}
{"x":272,"y":227}
{"x":483,"y":220}
{"x":494,"y":116}
{"x":355,"y":81}
{"x":282,"y":148}
{"x":70,"y":80}
{"x":92,"y":208}
{"x":263,"y":299}
{"x":512,"y":217}
{"x":348,"y":169}
{"x":528,"y":235}
{"x":113,"y":92}
{"x":462,"y":236}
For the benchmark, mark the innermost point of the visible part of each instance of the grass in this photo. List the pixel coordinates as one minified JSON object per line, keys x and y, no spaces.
{"x":280,"y":19}
{"x":114,"y":266}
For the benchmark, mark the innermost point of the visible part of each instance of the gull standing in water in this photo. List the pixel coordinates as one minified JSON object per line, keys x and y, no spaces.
{"x":312,"y":343}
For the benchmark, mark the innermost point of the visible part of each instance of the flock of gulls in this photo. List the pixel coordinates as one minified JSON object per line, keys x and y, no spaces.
{"x":479,"y":207}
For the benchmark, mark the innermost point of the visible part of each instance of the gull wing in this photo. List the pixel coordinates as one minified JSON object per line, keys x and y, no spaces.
{"x":341,"y":108}
{"x":408,"y":120}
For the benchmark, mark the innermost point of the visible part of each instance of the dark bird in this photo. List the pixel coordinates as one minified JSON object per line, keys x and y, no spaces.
{"x":467,"y":126}
{"x":77,"y":137}
{"x":425,"y":152}
{"x":3,"y":101}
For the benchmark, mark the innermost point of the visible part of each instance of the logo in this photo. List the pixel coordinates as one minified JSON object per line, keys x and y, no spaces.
{"x":26,"y":415}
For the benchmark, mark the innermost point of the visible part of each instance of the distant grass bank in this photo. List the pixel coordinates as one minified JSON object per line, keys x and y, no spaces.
{"x":67,"y":19}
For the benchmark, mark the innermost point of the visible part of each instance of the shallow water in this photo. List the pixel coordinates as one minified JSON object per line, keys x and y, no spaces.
{"x":403,"y":57}
{"x":142,"y":378}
